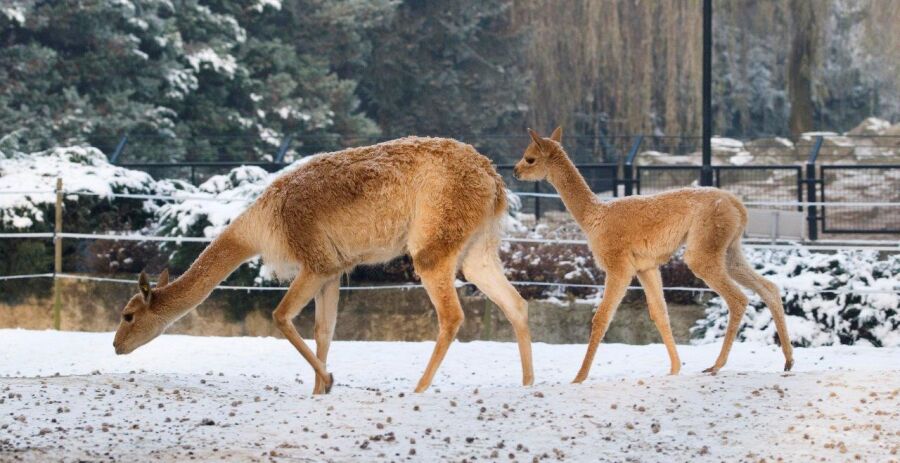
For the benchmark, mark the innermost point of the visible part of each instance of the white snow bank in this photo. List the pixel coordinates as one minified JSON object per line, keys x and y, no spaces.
{"x":186,"y":397}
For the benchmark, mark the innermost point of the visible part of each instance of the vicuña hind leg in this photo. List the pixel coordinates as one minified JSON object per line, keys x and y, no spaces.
{"x":437,"y":277}
{"x":482,"y":267}
{"x":326,"y":316}
{"x":298,"y":295}
{"x":710,"y":267}
{"x":651,"y":280}
{"x":743,"y":273}
{"x":616,"y":285}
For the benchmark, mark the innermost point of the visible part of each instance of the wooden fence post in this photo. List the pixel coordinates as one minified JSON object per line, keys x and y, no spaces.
{"x":57,"y":254}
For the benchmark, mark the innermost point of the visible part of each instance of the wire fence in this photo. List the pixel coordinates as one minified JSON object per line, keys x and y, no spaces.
{"x":458,"y":284}
{"x":57,"y":236}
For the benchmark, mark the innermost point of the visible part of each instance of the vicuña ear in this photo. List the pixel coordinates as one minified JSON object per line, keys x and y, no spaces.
{"x":144,"y":284}
{"x":163,"y":279}
{"x":557,"y":135}
{"x":536,"y":139}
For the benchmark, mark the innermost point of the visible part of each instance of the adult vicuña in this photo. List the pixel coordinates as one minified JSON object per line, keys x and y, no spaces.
{"x":637,"y":234}
{"x":436,"y":199}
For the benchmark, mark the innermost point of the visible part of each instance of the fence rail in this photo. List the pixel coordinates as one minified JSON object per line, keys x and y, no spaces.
{"x":796,"y":185}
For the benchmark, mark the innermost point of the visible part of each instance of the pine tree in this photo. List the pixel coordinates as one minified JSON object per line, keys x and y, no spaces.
{"x":189,"y":80}
{"x":448,"y":68}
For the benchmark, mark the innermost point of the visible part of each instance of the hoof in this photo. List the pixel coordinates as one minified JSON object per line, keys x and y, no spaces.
{"x":329,"y":383}
{"x":420,"y":388}
{"x":788,"y":365}
{"x":711,"y":370}
{"x":527,"y":381}
{"x":321,"y":386}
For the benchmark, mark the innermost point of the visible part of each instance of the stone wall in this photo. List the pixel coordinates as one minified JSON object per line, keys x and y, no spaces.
{"x":386,"y":315}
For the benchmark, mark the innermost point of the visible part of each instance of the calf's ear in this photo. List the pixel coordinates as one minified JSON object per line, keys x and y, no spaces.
{"x":557,"y":135}
{"x":144,"y":285}
{"x":163,"y":279}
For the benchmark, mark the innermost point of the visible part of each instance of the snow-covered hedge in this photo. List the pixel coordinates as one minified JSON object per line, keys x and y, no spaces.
{"x":815,"y":318}
{"x":228,"y":195}
{"x":83,"y":169}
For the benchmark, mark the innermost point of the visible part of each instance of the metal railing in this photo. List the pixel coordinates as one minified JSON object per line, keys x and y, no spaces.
{"x":795,"y":181}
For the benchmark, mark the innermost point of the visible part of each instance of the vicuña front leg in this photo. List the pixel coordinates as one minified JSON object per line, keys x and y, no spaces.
{"x":438,"y":281}
{"x":616,"y":285}
{"x":301,"y":291}
{"x":326,"y":316}
{"x":651,"y":280}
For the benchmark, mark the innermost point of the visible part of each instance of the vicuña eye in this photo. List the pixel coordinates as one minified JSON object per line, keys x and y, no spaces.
{"x":529,"y":160}
{"x":128,"y":317}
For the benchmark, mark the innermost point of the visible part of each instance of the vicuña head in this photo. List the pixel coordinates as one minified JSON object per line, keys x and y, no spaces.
{"x":143,"y":318}
{"x":539,"y":156}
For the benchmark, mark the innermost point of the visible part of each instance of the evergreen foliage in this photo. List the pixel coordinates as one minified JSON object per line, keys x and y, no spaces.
{"x":189,"y":79}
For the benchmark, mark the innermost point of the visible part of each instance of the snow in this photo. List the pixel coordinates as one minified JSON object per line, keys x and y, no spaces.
{"x":66,"y":395}
{"x":83,"y":169}
{"x":262,"y":4}
{"x":818,"y":318}
{"x":726,"y":144}
{"x":741,"y":158}
{"x":234,"y":192}
{"x":870,"y":126}
{"x":181,"y":82}
{"x":15,"y":13}
{"x":225,"y":64}
{"x":784,"y":142}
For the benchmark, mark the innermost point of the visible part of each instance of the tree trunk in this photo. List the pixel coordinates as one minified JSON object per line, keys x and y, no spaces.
{"x":800,"y":65}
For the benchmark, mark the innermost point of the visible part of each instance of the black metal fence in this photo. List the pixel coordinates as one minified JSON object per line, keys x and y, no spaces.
{"x":603,"y":179}
{"x":769,"y":183}
{"x":871,"y":183}
{"x":788,"y":182}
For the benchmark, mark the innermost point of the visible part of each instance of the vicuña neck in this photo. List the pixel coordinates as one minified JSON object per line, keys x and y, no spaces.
{"x":214,"y":264}
{"x":575,"y":192}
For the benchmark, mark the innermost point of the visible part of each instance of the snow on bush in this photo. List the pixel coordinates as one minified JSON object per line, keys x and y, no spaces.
{"x":815,"y":318}
{"x":83,"y":169}
{"x":217,"y":201}
{"x":14,"y":13}
{"x":228,"y":195}
{"x":209,"y":58}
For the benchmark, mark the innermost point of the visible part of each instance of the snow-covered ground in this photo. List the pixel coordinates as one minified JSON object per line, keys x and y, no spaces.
{"x":67,"y":396}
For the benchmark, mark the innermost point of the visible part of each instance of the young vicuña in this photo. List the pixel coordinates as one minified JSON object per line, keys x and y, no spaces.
{"x":637,"y":234}
{"x":436,"y":199}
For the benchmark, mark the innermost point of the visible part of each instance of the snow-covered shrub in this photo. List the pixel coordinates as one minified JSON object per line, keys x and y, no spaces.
{"x":551,"y":263}
{"x":220,"y":199}
{"x":83,"y":170}
{"x":817,"y":318}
